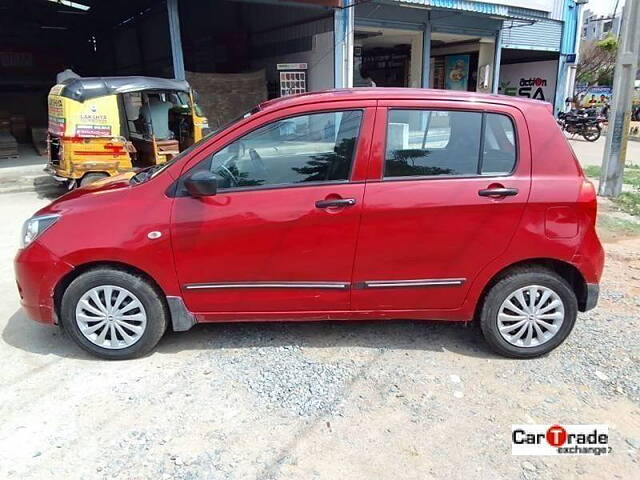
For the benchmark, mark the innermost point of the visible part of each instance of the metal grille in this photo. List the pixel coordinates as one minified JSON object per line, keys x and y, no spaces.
{"x":541,"y":35}
{"x":292,"y":83}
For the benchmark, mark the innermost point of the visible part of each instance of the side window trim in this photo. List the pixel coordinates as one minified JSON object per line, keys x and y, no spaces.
{"x":483,"y":131}
{"x":478,"y":173}
{"x":177,"y":188}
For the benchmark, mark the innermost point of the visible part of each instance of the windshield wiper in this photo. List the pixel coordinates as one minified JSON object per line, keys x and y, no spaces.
{"x":144,"y":175}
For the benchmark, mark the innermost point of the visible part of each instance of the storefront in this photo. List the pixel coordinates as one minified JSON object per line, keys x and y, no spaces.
{"x":459,"y":44}
{"x":411,"y":44}
{"x":530,"y":59}
{"x":237,"y":53}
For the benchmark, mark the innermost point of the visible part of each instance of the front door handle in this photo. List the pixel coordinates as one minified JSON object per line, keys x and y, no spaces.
{"x":336,"y":202}
{"x":498,"y":192}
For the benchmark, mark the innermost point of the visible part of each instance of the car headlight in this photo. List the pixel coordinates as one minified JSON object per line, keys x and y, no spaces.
{"x":34,"y":227}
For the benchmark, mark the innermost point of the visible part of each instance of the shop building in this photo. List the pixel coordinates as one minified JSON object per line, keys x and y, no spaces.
{"x":239,"y":52}
{"x":516,"y":47}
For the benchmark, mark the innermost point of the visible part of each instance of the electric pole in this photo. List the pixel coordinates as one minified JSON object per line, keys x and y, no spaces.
{"x":615,"y":150}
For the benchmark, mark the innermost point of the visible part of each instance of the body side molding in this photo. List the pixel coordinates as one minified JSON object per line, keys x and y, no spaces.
{"x":275,"y":284}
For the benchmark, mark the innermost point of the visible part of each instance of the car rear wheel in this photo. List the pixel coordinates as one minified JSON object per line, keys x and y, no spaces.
{"x":528,"y":313}
{"x":113,"y":314}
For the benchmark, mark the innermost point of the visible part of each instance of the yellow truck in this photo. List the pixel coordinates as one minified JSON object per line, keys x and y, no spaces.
{"x":105,"y":126}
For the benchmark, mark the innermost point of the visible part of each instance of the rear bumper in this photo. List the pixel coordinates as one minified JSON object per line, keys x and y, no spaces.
{"x":593,"y":291}
{"x":53,"y":172}
{"x":38,"y":272}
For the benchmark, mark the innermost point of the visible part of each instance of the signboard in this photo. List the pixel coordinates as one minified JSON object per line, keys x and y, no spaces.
{"x":535,"y":80}
{"x":594,"y":96}
{"x":98,"y":117}
{"x":456,"y":72}
{"x":291,"y":66}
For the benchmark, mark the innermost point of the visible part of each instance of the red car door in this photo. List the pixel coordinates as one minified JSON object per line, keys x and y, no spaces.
{"x":448,"y":185}
{"x":280,"y":234}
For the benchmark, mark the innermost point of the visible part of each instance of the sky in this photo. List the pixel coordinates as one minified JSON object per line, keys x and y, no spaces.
{"x":603,"y":7}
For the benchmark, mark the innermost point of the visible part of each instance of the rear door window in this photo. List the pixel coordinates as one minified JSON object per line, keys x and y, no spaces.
{"x":448,"y":143}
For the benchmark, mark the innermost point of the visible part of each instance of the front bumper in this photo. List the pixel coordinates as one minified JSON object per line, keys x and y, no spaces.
{"x":38,"y":272}
{"x":593,"y":291}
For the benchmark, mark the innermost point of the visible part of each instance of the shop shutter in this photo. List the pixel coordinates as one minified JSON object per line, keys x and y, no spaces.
{"x":541,"y":35}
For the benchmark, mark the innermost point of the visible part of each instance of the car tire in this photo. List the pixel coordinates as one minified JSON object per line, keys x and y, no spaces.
{"x":137,"y":327}
{"x":501,"y":324}
{"x":92,"y":177}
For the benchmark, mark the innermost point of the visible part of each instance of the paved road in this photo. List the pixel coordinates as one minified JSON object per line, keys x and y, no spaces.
{"x":360,"y":400}
{"x":590,"y":153}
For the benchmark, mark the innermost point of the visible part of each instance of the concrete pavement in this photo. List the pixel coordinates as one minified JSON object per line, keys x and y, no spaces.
{"x":590,"y":153}
{"x":26,"y":174}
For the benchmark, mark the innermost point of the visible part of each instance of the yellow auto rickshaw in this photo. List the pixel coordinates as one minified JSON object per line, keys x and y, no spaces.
{"x":105,"y":126}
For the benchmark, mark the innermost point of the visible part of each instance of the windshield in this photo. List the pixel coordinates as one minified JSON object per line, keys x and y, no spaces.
{"x":155,"y":170}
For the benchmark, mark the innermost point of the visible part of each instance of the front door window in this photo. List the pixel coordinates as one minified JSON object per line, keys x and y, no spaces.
{"x":318,"y":147}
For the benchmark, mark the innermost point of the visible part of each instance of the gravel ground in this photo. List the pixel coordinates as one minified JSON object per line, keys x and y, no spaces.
{"x":314,"y":400}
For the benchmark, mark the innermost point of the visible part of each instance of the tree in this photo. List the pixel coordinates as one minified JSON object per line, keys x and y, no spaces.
{"x":597,"y":61}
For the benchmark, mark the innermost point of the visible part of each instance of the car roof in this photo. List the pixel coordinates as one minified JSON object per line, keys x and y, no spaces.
{"x":386,"y":93}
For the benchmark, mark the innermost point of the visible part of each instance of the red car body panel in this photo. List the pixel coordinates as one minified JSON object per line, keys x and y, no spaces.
{"x":434,"y":231}
{"x":37,"y":273}
{"x":398,"y":229}
{"x":270,"y":235}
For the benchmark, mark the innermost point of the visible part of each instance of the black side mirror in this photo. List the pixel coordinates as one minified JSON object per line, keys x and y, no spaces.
{"x":202,"y":184}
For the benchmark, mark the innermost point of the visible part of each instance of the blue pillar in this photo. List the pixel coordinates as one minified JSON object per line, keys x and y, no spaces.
{"x":426,"y":54}
{"x":176,"y":41}
{"x":560,"y":93}
{"x":343,"y":22}
{"x":496,"y":63}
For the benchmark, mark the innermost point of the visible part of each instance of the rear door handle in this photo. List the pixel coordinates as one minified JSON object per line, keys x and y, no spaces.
{"x":336,"y":202}
{"x":498,"y":192}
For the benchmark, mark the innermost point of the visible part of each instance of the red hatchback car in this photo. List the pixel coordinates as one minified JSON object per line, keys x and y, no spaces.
{"x":348,"y":204}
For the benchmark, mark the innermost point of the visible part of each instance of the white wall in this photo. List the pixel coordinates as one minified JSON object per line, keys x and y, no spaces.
{"x":319,"y":60}
{"x":515,"y":77}
{"x":486,"y":56}
{"x":321,"y":64}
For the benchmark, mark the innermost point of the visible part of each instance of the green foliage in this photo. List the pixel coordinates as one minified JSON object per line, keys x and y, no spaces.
{"x":620,"y":225}
{"x":597,"y":61}
{"x":627,"y":201}
{"x":608,"y":44}
{"x":592,"y":171}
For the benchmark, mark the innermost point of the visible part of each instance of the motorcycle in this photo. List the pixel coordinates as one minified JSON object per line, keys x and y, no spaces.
{"x":582,"y":122}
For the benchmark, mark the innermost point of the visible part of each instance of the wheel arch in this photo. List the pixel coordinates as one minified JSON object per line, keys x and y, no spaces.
{"x":566,"y":270}
{"x":65,"y":281}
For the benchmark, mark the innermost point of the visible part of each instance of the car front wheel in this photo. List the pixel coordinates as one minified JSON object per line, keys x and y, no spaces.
{"x":528,"y":313}
{"x":113,"y":314}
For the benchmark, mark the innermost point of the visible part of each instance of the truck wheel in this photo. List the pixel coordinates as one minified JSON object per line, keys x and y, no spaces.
{"x":113,"y":314}
{"x":528,"y":313}
{"x":92,"y":177}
